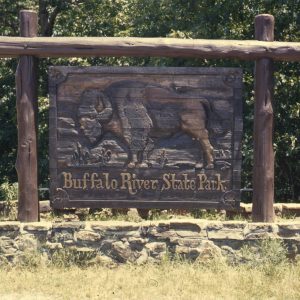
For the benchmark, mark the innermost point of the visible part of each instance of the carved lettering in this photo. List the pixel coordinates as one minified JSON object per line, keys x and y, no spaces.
{"x":220,"y":183}
{"x":68,"y":184}
{"x":202,"y":179}
{"x":96,"y":182}
{"x":144,"y":137}
{"x":133,"y":184}
{"x":127,"y":183}
{"x":206,"y":184}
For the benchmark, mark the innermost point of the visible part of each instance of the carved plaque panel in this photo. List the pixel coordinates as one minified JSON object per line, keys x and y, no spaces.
{"x":145,"y":137}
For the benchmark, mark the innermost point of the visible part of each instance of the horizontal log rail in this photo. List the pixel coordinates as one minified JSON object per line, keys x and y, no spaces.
{"x":129,"y":46}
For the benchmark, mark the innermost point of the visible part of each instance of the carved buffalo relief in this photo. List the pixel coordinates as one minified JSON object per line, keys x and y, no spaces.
{"x":139,"y":113}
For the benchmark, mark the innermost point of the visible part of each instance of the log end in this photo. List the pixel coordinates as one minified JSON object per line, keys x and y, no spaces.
{"x":28,"y":23}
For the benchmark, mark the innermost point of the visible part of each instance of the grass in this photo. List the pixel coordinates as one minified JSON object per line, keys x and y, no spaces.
{"x":9,"y":213}
{"x":169,"y":280}
{"x":107,"y":214}
{"x":262,"y":271}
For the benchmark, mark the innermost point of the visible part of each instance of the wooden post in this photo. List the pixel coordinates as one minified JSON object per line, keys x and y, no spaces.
{"x":26,"y":87}
{"x":263,"y":168}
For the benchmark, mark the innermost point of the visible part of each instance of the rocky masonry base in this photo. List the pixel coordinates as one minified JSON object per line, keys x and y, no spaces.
{"x":111,"y":242}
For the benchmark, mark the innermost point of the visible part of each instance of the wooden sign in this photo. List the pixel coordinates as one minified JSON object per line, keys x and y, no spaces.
{"x":145,"y":137}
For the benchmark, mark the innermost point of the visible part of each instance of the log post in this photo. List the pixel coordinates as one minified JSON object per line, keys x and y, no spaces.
{"x":263,"y":168}
{"x":26,"y":89}
{"x":45,"y":47}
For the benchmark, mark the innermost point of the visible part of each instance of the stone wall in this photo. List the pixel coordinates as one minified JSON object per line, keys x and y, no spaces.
{"x":150,"y":241}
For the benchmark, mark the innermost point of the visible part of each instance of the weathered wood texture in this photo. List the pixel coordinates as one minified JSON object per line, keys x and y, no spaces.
{"x":145,"y":137}
{"x":26,"y":164}
{"x":263,"y":169}
{"x":131,"y":46}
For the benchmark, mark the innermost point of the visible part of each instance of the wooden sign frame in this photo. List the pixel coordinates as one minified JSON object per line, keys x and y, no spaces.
{"x":69,"y":85}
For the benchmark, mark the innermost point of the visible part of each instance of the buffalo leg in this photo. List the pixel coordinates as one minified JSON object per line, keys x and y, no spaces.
{"x":137,"y":160}
{"x":133,"y":161}
{"x":137,"y":146}
{"x":208,"y":150}
{"x":197,"y":130}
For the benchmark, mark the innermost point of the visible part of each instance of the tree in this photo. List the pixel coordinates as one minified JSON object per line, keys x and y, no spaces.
{"x":218,"y":19}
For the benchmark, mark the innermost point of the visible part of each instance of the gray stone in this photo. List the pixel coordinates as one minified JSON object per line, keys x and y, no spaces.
{"x":3,"y":261}
{"x":62,"y":236}
{"x":123,"y":228}
{"x":84,"y":250}
{"x":9,"y":226}
{"x":187,"y":252}
{"x":137,"y":243}
{"x":37,"y":226}
{"x":10,"y":257}
{"x":161,"y":233}
{"x":293,"y":247}
{"x":291,"y":209}
{"x":226,"y":230}
{"x":9,"y":229}
{"x":162,"y":226}
{"x":39,"y":230}
{"x":156,"y":249}
{"x":105,"y":245}
{"x":115,"y":229}
{"x":9,"y":250}
{"x":230,"y":254}
{"x":186,"y":242}
{"x":227,"y":250}
{"x":260,"y":231}
{"x":104,"y":260}
{"x":143,"y":258}
{"x":27,"y":242}
{"x":121,"y":251}
{"x":69,"y":226}
{"x":123,"y":234}
{"x":69,"y":243}
{"x":289,"y":230}
{"x":234,"y":244}
{"x":6,"y":242}
{"x":120,"y":242}
{"x":185,"y":226}
{"x":208,"y":250}
{"x":95,"y":226}
{"x":84,"y":255}
{"x":190,"y":234}
{"x":45,"y":206}
{"x":53,"y":246}
{"x":87,"y":236}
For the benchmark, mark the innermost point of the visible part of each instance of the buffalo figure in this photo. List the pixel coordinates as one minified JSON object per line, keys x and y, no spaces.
{"x":138,"y":113}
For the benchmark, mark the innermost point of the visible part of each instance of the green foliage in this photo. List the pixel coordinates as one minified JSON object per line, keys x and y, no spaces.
{"x":30,"y":260}
{"x":212,"y":19}
{"x":9,"y":192}
{"x":208,"y":214}
{"x":68,"y":257}
{"x":266,"y":255}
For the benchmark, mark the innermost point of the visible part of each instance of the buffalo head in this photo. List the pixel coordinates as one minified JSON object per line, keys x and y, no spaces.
{"x":95,"y":109}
